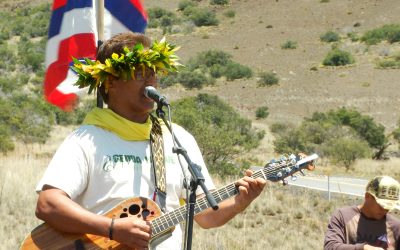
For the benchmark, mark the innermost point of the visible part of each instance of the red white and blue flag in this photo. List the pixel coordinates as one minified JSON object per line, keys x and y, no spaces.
{"x":73,"y":33}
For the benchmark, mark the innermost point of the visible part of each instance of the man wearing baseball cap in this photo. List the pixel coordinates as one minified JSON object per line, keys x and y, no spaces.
{"x":368,"y":226}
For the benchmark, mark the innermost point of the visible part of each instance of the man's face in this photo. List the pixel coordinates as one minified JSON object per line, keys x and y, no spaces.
{"x":376,"y":211}
{"x":129,"y":95}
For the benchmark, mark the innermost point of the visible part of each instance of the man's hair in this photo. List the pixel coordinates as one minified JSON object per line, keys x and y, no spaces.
{"x":116,"y":44}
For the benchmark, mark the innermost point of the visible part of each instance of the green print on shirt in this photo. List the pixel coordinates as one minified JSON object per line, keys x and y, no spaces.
{"x":110,"y":161}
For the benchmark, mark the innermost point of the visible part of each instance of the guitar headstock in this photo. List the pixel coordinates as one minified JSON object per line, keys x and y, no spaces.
{"x":288,"y":165}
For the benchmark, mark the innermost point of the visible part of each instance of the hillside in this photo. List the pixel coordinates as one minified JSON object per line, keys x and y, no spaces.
{"x":252,"y":41}
{"x":254,"y":37}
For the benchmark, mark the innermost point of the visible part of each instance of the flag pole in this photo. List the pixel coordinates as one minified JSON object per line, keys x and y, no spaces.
{"x":100,"y":37}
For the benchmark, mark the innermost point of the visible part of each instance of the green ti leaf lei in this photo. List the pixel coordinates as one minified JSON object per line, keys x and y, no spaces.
{"x":160,"y":58}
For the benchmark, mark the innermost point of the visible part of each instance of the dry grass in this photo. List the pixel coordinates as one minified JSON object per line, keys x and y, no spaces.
{"x":283,"y":217}
{"x":19,"y":173}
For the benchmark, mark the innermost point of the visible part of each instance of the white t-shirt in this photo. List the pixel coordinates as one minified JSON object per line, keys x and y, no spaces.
{"x":98,"y":170}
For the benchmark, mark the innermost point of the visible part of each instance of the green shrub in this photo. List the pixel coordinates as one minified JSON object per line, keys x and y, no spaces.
{"x":219,"y":130}
{"x":329,"y":37}
{"x":202,"y":17}
{"x":289,"y":45}
{"x":333,"y":132}
{"x":217,"y":70}
{"x":346,"y":150}
{"x":182,"y":5}
{"x":396,"y":132}
{"x":338,"y":57}
{"x":6,"y":141}
{"x":389,"y":32}
{"x":160,"y":17}
{"x":209,"y":58}
{"x":363,"y":125}
{"x":388,"y":63}
{"x":194,"y":79}
{"x":230,"y":13}
{"x":353,"y":36}
{"x":219,"y":2}
{"x":169,"y":80}
{"x":235,"y":70}
{"x":262,"y":112}
{"x":268,"y":79}
{"x":279,"y":128}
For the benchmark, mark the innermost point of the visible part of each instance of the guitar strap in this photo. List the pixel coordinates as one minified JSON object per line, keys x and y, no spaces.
{"x":158,"y":163}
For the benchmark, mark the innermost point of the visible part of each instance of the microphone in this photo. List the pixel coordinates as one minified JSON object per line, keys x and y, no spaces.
{"x":152,"y":93}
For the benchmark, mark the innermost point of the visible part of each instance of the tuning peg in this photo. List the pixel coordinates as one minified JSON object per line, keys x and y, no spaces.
{"x":293,"y":177}
{"x":284,"y":182}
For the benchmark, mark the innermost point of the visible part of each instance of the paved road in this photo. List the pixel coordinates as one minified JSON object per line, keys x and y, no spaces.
{"x":332,"y":184}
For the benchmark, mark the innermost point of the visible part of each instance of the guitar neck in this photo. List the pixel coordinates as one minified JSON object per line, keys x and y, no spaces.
{"x":169,"y":220}
{"x":273,"y":171}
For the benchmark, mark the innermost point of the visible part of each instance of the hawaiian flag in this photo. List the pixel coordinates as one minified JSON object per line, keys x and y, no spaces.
{"x":73,"y":33}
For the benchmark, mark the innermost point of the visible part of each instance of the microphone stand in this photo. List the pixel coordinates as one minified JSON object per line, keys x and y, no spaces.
{"x":197,"y":178}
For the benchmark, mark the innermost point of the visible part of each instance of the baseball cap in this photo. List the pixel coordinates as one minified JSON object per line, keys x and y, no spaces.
{"x":386,"y":191}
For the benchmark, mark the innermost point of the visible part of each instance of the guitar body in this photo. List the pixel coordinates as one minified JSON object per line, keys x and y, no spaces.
{"x":45,"y":237}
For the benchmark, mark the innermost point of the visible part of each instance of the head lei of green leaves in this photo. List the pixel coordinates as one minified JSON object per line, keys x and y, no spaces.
{"x":160,"y":58}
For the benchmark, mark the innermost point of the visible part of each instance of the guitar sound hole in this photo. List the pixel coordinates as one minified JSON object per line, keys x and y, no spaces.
{"x":134,"y":209}
{"x":123,"y":215}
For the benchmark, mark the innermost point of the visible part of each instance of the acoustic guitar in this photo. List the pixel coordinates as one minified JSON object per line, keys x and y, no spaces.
{"x":44,"y":237}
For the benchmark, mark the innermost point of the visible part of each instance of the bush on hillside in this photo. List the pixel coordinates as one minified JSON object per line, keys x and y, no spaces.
{"x":194,"y":79}
{"x":219,"y":2}
{"x":289,"y":44}
{"x":210,"y":58}
{"x":268,"y":79}
{"x":160,"y":17}
{"x":230,"y":13}
{"x":346,"y":151}
{"x":388,"y":32}
{"x":182,"y":5}
{"x":6,"y":141}
{"x":235,"y":70}
{"x":201,"y":16}
{"x":317,"y":134}
{"x":337,"y":57}
{"x":262,"y":112}
{"x":396,"y":133}
{"x":219,"y":130}
{"x":330,"y":37}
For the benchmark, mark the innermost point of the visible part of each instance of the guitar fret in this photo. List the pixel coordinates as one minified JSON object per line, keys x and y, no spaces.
{"x":168,"y":221}
{"x":175,"y":219}
{"x":181,"y":214}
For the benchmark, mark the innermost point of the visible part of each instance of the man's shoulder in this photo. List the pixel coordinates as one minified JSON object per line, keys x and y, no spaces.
{"x":393,"y":219}
{"x":88,"y":130}
{"x":347,"y":211}
{"x":88,"y":133}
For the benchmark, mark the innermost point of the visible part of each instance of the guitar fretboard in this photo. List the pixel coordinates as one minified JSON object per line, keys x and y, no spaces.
{"x":169,"y":220}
